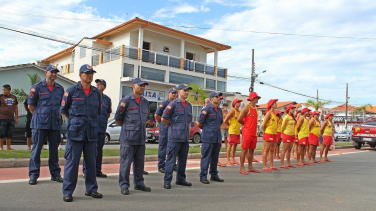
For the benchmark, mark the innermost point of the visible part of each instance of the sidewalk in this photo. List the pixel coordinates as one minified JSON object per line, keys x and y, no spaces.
{"x":24,"y":162}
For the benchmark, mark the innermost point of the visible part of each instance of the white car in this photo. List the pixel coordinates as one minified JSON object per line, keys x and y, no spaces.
{"x":112,"y":131}
{"x":344,"y":135}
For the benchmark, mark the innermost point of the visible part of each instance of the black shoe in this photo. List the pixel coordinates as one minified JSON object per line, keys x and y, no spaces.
{"x":205,"y":181}
{"x":143,"y":188}
{"x":145,"y":173}
{"x":217,"y":179}
{"x":94,"y":195}
{"x":102,"y":175}
{"x":32,"y":181}
{"x":162,"y":170}
{"x":167,"y":186}
{"x":68,"y":198}
{"x":185,"y":183}
{"x":57,"y":179}
{"x":175,"y":168}
{"x":124,"y":191}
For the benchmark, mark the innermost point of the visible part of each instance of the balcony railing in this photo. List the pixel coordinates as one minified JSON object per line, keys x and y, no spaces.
{"x":159,"y":59}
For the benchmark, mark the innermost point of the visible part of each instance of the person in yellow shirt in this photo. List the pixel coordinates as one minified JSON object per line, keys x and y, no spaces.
{"x":294,"y":150}
{"x":233,"y":130}
{"x":307,"y":152}
{"x":303,"y":134}
{"x":327,"y":130}
{"x":288,"y":136}
{"x":269,"y":131}
{"x":279,"y":134}
{"x":314,"y":135}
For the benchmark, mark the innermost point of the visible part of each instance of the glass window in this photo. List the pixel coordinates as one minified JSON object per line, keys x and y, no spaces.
{"x":71,"y":69}
{"x":82,"y":52}
{"x":126,"y":90}
{"x":177,"y":78}
{"x":210,"y":84}
{"x":152,"y":74}
{"x":221,"y":86}
{"x":128,"y":70}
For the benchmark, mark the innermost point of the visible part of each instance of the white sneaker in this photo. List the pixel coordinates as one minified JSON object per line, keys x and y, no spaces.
{"x":59,"y":148}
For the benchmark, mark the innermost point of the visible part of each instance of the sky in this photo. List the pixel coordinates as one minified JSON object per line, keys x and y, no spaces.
{"x":339,"y":48}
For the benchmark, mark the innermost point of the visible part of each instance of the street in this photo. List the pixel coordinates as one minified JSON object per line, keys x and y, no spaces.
{"x":344,"y":184}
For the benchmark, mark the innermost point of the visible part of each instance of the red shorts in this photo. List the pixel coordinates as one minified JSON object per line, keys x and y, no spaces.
{"x":288,"y":139}
{"x":296,"y":140}
{"x":303,"y":141}
{"x":233,"y":139}
{"x":314,"y":140}
{"x":279,"y":135}
{"x":249,"y":142}
{"x":270,"y":137}
{"x":327,"y":140}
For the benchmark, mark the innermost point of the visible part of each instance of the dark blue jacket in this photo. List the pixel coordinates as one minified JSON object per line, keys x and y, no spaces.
{"x":47,"y":112}
{"x":163,"y":129}
{"x":134,"y":117}
{"x":106,"y":109}
{"x":83,"y":112}
{"x":180,"y":119}
{"x":212,"y":120}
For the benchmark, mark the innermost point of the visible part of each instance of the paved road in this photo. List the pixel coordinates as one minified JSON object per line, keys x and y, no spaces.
{"x":347,"y":183}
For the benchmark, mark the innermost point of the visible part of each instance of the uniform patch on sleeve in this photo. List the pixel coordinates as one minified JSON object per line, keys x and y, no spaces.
{"x":31,"y":95}
{"x":32,"y":90}
{"x":160,"y":106}
{"x":122,"y":104}
{"x":168,"y":107}
{"x":204,"y":112}
{"x":66,"y":94}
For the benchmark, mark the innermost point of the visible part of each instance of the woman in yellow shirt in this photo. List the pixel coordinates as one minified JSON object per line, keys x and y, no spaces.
{"x":327,"y":136}
{"x":314,"y":135}
{"x":269,"y":131}
{"x":303,"y":134}
{"x":288,"y":135}
{"x":294,"y":150}
{"x":279,"y":134}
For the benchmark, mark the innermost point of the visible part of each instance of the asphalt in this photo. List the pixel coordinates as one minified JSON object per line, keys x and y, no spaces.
{"x":347,"y":183}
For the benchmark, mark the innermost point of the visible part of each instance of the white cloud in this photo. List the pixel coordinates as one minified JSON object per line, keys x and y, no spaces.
{"x":184,"y":7}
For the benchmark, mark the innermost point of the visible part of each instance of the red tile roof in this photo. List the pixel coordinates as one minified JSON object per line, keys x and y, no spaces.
{"x":343,"y":108}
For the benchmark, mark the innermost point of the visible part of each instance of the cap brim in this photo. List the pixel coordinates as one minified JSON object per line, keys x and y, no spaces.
{"x":53,"y":70}
{"x":97,"y":80}
{"x":187,"y":87}
{"x":143,"y":82}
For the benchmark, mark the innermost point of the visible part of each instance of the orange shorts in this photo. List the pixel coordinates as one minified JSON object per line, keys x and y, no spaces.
{"x":270,"y":137}
{"x":233,"y":139}
{"x":249,"y":142}
{"x":314,"y":140}
{"x":288,"y":139}
{"x":327,"y":140}
{"x":303,"y":141}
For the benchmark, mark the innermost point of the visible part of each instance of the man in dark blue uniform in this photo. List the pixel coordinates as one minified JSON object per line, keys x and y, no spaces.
{"x":82,"y":106}
{"x":102,"y":123}
{"x":44,"y":103}
{"x":210,"y":121}
{"x":177,"y":116}
{"x":131,"y":114}
{"x":163,"y":129}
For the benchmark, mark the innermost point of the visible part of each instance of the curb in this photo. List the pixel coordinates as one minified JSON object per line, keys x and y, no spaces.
{"x":24,"y":162}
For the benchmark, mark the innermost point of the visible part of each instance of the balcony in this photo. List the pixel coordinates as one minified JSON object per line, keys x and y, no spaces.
{"x":156,"y":58}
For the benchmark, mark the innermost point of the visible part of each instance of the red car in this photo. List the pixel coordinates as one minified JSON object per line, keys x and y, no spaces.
{"x":195,"y":134}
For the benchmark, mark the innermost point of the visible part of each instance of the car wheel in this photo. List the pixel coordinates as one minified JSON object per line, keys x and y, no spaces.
{"x":196,"y":138}
{"x":358,"y":146}
{"x":106,"y":139}
{"x":372,"y":145}
{"x":336,"y":140}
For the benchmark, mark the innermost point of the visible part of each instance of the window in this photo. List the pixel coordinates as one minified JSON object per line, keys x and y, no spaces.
{"x":196,"y":111}
{"x":82,"y":52}
{"x":126,"y":90}
{"x":71,"y":69}
{"x":152,"y":74}
{"x":189,"y":56}
{"x":221,"y":86}
{"x":128,"y":70}
{"x":210,"y":84}
{"x":177,"y":78}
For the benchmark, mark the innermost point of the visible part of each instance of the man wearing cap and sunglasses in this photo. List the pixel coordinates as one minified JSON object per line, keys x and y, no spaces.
{"x":44,"y":102}
{"x":327,"y":130}
{"x":163,"y":130}
{"x":249,"y":118}
{"x":210,"y":122}
{"x":132,"y":114}
{"x":177,"y":117}
{"x":81,"y":104}
{"x":303,"y":134}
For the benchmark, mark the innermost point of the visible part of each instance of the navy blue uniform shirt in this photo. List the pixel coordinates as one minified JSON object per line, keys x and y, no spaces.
{"x":212,"y":120}
{"x":134,"y":117}
{"x":83,"y":112}
{"x":180,"y":118}
{"x":163,"y":129}
{"x":106,"y":109}
{"x":47,"y":112}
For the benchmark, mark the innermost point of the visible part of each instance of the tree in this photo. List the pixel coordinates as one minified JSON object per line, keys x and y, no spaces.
{"x":199,"y":90}
{"x":362,"y":109}
{"x":20,"y":93}
{"x":316,"y":104}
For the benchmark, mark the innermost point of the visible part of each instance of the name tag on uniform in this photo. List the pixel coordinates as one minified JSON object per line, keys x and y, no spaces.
{"x":43,"y":93}
{"x":178,"y":109}
{"x":78,"y":98}
{"x":132,"y":108}
{"x":212,"y":114}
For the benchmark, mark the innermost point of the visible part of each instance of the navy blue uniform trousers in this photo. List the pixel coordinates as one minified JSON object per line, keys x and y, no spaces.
{"x":210,"y":154}
{"x":73,"y":151}
{"x":180,"y":150}
{"x":100,"y":145}
{"x":162,"y":142}
{"x":38,"y":138}
{"x":131,"y":154}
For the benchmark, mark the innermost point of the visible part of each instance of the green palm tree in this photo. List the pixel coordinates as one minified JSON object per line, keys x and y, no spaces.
{"x":362,"y":109}
{"x":20,"y":93}
{"x":316,"y":104}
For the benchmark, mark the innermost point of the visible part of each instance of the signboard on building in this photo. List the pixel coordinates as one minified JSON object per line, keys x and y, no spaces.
{"x":153,"y":95}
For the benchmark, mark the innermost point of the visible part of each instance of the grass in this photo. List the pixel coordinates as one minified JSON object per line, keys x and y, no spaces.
{"x":116,"y":152}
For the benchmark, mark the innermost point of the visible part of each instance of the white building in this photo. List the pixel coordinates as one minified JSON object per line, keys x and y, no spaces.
{"x":163,"y":56}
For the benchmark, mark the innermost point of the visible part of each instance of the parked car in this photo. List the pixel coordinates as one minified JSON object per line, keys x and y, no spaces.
{"x":365,"y":133}
{"x":112,"y":131}
{"x":344,"y":135}
{"x":194,"y":135}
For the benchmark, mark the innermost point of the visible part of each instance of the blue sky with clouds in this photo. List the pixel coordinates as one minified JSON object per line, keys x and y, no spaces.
{"x":298,"y":63}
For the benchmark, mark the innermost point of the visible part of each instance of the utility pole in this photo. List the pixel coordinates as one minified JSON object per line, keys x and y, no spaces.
{"x":317,"y":96}
{"x":253,"y":72}
{"x":347,"y":100}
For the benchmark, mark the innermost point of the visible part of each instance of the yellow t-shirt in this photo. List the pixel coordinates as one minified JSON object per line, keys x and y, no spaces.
{"x":315,"y":129}
{"x":279,"y":127}
{"x":271,"y":125}
{"x":304,"y":129}
{"x":234,"y":125}
{"x":328,"y":130}
{"x":289,"y":123}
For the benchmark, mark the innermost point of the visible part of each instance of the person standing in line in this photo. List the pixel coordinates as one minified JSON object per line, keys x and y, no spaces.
{"x":163,"y":130}
{"x":288,"y":136}
{"x":27,"y":128}
{"x":81,"y":104}
{"x":314,"y":134}
{"x":177,"y":117}
{"x":8,"y":116}
{"x":233,"y":126}
{"x":303,"y":134}
{"x":225,"y":127}
{"x":294,"y":151}
{"x":210,"y":122}
{"x":44,"y":103}
{"x":249,"y":118}
{"x":327,"y":130}
{"x":132,"y":114}
{"x":279,"y":134}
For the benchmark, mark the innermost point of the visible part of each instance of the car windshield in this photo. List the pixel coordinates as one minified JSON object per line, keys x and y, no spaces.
{"x":344,"y":132}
